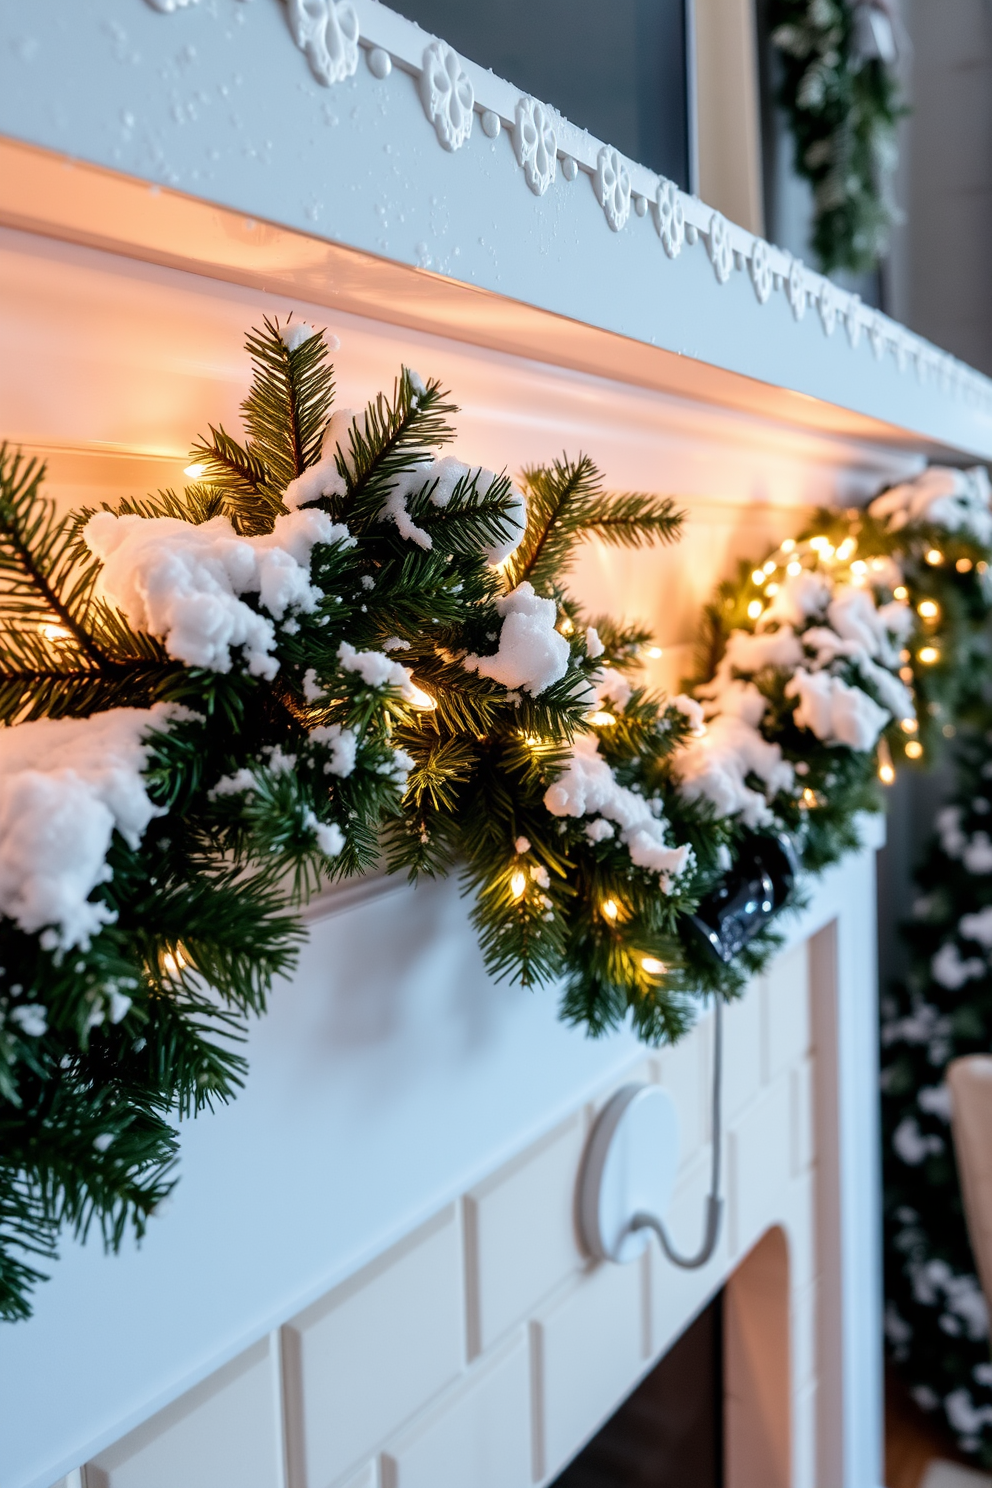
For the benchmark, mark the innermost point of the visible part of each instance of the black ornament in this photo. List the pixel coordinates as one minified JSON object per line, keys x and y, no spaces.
{"x":750,"y":894}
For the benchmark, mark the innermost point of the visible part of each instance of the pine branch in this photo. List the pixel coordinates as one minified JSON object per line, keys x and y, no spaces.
{"x":392,"y":438}
{"x":285,"y":414}
{"x":287,"y":409}
{"x":37,"y":558}
{"x":200,"y":501}
{"x":566,"y":503}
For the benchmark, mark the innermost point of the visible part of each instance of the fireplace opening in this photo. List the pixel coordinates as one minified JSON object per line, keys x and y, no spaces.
{"x":669,"y":1432}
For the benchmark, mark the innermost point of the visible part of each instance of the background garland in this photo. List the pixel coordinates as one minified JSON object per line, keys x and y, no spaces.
{"x":333,"y":646}
{"x":841,"y":98}
{"x":937,"y":1327}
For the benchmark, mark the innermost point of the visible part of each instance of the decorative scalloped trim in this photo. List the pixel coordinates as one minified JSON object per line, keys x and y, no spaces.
{"x":535,"y":144}
{"x":327,"y":31}
{"x":669,"y":217}
{"x":796,"y":288}
{"x":760,"y":264}
{"x":447,"y":94}
{"x":720,"y":248}
{"x":452,"y":90}
{"x":611,"y":184}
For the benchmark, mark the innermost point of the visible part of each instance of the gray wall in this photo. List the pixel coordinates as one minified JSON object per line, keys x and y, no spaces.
{"x":940,"y":282}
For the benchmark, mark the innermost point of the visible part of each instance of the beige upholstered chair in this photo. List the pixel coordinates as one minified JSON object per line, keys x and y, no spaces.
{"x":970,"y":1082}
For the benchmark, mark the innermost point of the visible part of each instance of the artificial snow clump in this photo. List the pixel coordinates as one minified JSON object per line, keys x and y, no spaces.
{"x":443,"y":476}
{"x":588,"y":787}
{"x":835,"y":712}
{"x":31,"y":1018}
{"x":66,"y":784}
{"x":978,"y":927}
{"x":594,"y":646}
{"x":912,"y":1145}
{"x":974,"y":852}
{"x":183,"y":582}
{"x":377,"y":670}
{"x":532,"y":654}
{"x":951,"y":971}
{"x":295,"y":332}
{"x":715,"y":765}
{"x":328,"y":835}
{"x":957,"y":500}
{"x":342,"y":745}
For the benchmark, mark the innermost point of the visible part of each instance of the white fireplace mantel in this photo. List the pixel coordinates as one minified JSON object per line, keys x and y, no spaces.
{"x":165,"y":180}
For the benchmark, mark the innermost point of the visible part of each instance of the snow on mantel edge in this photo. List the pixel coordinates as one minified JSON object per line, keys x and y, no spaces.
{"x":333,"y":34}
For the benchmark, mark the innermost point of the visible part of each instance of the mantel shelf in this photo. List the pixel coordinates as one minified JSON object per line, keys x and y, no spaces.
{"x":217,"y":150}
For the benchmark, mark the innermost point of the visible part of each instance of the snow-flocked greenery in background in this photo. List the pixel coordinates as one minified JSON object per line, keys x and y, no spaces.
{"x":838,"y":89}
{"x":336,"y":648}
{"x":936,"y":1322}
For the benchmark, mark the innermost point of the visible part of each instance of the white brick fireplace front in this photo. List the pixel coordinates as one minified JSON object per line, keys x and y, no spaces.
{"x":481,"y":1347}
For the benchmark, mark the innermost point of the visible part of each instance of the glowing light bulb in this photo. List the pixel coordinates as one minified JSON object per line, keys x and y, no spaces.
{"x":859,"y":566}
{"x":935,"y":557}
{"x":795,"y":568}
{"x":914,"y":749}
{"x":653,"y":966}
{"x":928,"y":655}
{"x":886,"y":769}
{"x":566,"y":627}
{"x":981,"y":566}
{"x":819,"y":543}
{"x":847,"y":549}
{"x":55,"y":632}
{"x":174,"y":961}
{"x":610,"y":909}
{"x":759,"y":576}
{"x":769,"y":566}
{"x":602,"y":719}
{"x":654,"y":652}
{"x":518,"y":884}
{"x":928,"y":609}
{"x":195,"y":472}
{"x":809,"y":798}
{"x":754,"y":609}
{"x":964,"y":565}
{"x":908,"y":725}
{"x":906,"y":673}
{"x":772,"y":590}
{"x":789,"y":546}
{"x":420,"y":699}
{"x":900,"y":592}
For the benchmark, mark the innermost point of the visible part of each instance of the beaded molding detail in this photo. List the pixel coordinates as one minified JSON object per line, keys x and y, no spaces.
{"x":453,"y":90}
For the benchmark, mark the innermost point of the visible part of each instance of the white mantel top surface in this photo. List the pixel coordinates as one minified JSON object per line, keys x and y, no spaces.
{"x":216,"y":101}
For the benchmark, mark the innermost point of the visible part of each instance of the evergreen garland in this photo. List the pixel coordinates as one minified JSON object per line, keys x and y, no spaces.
{"x":334,"y":647}
{"x":936,"y":1322}
{"x":841,"y":98}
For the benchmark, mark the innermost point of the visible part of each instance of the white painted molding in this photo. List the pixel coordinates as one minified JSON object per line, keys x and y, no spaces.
{"x":453,"y":89}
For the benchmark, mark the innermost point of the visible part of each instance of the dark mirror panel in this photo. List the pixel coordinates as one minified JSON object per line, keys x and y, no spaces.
{"x":619,"y":71}
{"x":669,"y":1432}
